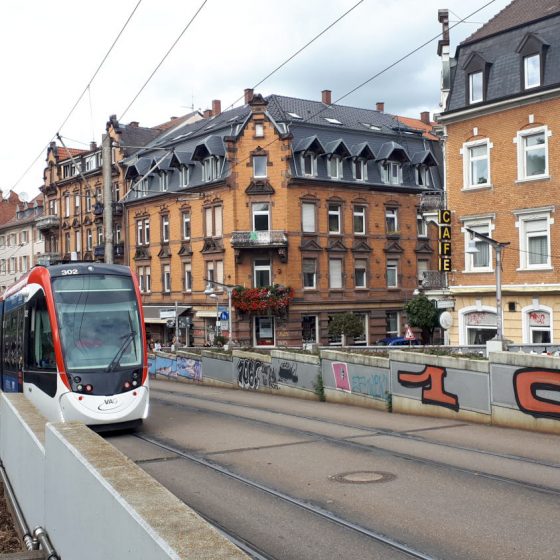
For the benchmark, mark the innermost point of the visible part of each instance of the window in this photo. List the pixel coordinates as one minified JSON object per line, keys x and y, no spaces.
{"x":421,"y":226}
{"x":24,"y":237}
{"x":362,"y":339}
{"x":422,"y":173}
{"x":309,"y":273}
{"x":117,"y":234}
{"x":392,"y":274}
{"x":332,"y":120}
{"x":359,"y":220}
{"x":537,"y":325}
{"x":213,"y":221}
{"x":184,"y":176}
{"x":422,"y":266}
{"x":163,"y":181}
{"x":391,"y":173}
{"x":166,"y":278}
{"x":482,"y":260}
{"x":100,"y":235}
{"x":335,"y":274}
{"x":78,"y":240}
{"x":334,"y":167}
{"x":24,"y":263}
{"x":532,"y":71}
{"x":392,"y":323}
{"x":262,"y":273}
{"x":309,"y":164}
{"x":261,"y":216}
{"x":534,"y":242}
{"x":360,"y":169}
{"x":210,"y":168}
{"x":88,"y":201}
{"x":66,"y":205}
{"x":476,"y":164}
{"x":259,"y":167}
{"x":165,"y":229}
{"x":479,"y":325}
{"x":259,"y":130}
{"x":186,"y":225}
{"x":309,"y":329}
{"x":532,"y":146}
{"x":76,"y":204}
{"x":391,"y":220}
{"x":143,"y":232}
{"x":67,"y":247}
{"x":475,"y":87}
{"x":334,"y":218}
{"x":116,"y":192}
{"x":89,"y":240}
{"x":215,"y":272}
{"x":308,"y":217}
{"x":188,"y":277}
{"x":360,"y":273}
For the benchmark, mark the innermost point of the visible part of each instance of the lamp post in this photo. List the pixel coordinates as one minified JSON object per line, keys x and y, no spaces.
{"x":498,"y":246}
{"x":229,"y":289}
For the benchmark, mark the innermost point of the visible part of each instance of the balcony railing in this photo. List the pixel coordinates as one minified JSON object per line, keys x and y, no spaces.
{"x":432,"y":200}
{"x":250,"y":239}
{"x":433,"y":280}
{"x":48,"y":222}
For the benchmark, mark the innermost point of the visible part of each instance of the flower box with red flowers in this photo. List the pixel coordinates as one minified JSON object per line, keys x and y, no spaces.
{"x":268,"y":300}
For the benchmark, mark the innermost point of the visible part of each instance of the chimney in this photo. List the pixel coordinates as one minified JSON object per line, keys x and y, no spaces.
{"x":326,"y":96}
{"x":93,"y":145}
{"x":207,"y":113}
{"x":216,"y":107}
{"x":133,"y":124}
{"x":248,"y":95}
{"x":380,"y":106}
{"x":425,"y":117}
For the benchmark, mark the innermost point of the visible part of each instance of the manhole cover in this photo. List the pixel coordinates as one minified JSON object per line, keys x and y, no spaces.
{"x":363,"y":477}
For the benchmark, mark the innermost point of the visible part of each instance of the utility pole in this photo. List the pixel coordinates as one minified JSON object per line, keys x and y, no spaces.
{"x":106,"y":154}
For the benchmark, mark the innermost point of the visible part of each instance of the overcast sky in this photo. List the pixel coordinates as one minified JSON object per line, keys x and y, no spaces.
{"x":51,"y":50}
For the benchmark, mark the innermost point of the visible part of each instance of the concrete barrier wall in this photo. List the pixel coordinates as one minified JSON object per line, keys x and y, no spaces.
{"x":217,"y":367}
{"x":93,"y":501}
{"x":184,"y":365}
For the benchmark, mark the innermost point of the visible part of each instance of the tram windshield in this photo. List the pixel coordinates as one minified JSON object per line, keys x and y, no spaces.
{"x":99,"y":322}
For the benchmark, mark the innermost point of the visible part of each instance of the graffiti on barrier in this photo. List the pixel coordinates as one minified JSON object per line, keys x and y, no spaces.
{"x":341,"y":379}
{"x":372,"y":385}
{"x":431,"y":380}
{"x":189,"y":368}
{"x":252,"y":374}
{"x":287,"y":372}
{"x":527,"y":382}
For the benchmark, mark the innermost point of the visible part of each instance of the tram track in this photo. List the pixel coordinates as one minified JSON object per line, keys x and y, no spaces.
{"x":249,"y":548}
{"x":369,"y":448}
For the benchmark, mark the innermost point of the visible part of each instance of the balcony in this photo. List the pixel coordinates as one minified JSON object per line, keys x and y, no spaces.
{"x":433,"y":280}
{"x":48,"y":258}
{"x":46,"y":223}
{"x":247,"y":240}
{"x":258,"y":239}
{"x":432,"y":200}
{"x":99,"y":251}
{"x":98,"y":209}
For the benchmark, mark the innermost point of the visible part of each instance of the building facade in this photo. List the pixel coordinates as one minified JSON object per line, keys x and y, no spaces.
{"x":501,"y":124}
{"x":21,"y":243}
{"x":306,"y":208}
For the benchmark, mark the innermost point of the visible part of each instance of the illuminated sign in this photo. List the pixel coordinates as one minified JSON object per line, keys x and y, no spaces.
{"x":444,"y":245}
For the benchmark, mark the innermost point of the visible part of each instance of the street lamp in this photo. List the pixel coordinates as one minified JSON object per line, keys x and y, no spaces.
{"x":229,"y":289}
{"x":498,"y":246}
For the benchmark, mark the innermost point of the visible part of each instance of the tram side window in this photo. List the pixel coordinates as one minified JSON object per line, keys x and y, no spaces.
{"x":41,"y":347}
{"x":12,"y":351}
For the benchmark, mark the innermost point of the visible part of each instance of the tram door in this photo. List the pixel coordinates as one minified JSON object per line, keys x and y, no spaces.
{"x":12,"y":349}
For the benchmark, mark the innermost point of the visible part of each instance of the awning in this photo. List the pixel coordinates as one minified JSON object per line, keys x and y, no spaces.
{"x":152,"y":312}
{"x":207,"y":314}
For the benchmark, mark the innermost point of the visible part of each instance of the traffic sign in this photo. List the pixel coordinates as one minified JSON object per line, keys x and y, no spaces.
{"x":224,"y":316}
{"x":408,"y":334}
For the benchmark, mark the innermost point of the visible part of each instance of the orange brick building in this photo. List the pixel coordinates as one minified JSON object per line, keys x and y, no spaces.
{"x":501,"y":123}
{"x":283,"y":194}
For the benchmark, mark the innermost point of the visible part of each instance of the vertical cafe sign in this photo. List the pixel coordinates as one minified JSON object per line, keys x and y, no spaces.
{"x":444,"y":245}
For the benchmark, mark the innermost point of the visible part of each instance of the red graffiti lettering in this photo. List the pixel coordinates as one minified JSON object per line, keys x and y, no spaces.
{"x":431,"y":381}
{"x":526,"y":383}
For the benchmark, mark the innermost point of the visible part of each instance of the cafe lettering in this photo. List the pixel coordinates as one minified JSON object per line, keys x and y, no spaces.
{"x":444,"y":245}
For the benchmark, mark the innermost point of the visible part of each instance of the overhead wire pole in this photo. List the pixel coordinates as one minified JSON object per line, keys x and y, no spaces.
{"x":107,"y":164}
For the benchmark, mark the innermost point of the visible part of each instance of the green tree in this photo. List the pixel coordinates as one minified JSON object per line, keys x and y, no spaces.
{"x":422,"y":314}
{"x":346,"y":325}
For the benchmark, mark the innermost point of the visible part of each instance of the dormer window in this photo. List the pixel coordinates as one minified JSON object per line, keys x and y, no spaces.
{"x":476,"y":82}
{"x":163,"y":181}
{"x":532,"y":71}
{"x":209,"y":169}
{"x":423,"y":176}
{"x":391,"y":173}
{"x":309,"y":164}
{"x":184,"y":175}
{"x":360,"y":169}
{"x":334,"y":167}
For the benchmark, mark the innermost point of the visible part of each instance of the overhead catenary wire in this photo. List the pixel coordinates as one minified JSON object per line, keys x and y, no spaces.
{"x":80,"y":96}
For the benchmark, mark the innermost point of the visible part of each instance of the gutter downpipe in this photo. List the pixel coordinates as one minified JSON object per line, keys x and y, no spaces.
{"x":40,"y":536}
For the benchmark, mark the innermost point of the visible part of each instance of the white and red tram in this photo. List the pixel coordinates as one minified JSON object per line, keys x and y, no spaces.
{"x":73,"y":340}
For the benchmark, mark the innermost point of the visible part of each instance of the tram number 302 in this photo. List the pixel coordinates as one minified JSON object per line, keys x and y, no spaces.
{"x":68,"y":271}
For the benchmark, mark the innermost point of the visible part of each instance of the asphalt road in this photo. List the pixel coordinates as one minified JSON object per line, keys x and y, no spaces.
{"x":294,"y":479}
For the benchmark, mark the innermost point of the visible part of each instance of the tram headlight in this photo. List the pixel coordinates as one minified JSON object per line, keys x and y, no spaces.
{"x":127,"y":385}
{"x":135,"y":375}
{"x":80,"y":388}
{"x":89,"y":388}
